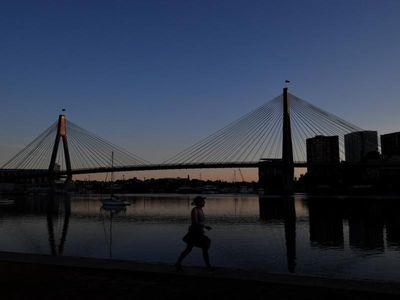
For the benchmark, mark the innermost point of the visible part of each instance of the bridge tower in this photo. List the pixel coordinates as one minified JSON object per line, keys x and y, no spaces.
{"x":276,"y":175}
{"x":61,"y":134}
{"x":287,"y":146}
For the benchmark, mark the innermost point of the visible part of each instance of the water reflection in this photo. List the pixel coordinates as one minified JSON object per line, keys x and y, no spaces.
{"x":392,"y":222}
{"x":108,"y":213}
{"x":366,"y":224}
{"x":326,"y":223}
{"x":329,"y":236}
{"x":366,"y":219}
{"x":58,"y":208}
{"x":272,"y":209}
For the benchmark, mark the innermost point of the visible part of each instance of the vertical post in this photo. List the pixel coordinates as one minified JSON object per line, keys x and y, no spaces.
{"x":61,"y":133}
{"x":287,"y":147}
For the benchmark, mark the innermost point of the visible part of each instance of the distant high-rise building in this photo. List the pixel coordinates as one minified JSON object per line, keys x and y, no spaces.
{"x":390,"y":144}
{"x":323,"y":149}
{"x":358,"y":144}
{"x":322,"y":159}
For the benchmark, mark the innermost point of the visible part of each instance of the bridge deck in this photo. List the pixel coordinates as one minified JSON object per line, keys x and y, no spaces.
{"x":6,"y":173}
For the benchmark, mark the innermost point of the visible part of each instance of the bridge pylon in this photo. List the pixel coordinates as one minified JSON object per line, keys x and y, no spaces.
{"x":61,"y":134}
{"x":276,"y":175}
{"x":287,"y":146}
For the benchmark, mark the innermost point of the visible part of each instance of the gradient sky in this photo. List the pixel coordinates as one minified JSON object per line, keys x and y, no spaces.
{"x":156,"y":76}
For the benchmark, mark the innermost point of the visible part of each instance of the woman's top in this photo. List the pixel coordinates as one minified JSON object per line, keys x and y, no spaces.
{"x":198,"y":219}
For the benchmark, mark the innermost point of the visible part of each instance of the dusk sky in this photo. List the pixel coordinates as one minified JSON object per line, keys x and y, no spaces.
{"x":157,"y":76}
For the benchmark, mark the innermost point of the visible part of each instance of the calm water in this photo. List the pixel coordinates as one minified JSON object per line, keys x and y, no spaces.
{"x":330,"y":237}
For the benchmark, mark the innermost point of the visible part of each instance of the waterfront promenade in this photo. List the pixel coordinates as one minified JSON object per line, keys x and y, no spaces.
{"x":27,"y":276}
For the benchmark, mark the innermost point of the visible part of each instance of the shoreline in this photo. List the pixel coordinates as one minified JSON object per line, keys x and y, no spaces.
{"x":45,"y":277}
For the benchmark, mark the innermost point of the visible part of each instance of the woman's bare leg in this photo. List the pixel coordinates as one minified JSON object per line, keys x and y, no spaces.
{"x":183,"y":255}
{"x":206,"y":257}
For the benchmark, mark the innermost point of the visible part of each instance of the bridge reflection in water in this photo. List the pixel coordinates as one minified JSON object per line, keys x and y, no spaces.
{"x":58,"y":208}
{"x":278,"y":208}
{"x":317,"y":236}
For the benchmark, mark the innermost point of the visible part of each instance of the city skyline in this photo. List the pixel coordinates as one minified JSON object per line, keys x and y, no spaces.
{"x":171,"y":73}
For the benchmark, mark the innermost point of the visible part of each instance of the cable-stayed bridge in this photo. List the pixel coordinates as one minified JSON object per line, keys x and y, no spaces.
{"x":276,"y":131}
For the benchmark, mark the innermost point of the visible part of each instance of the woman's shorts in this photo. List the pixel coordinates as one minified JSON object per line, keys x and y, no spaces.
{"x":197,"y":240}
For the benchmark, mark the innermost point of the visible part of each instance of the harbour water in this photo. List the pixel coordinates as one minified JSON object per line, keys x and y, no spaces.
{"x":319,"y":236}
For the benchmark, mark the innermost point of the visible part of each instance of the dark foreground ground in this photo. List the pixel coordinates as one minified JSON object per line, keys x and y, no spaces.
{"x":45,"y":277}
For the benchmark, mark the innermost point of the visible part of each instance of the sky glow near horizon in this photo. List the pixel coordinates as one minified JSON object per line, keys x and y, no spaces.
{"x":154,"y":77}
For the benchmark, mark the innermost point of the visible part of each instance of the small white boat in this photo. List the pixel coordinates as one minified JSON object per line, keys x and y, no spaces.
{"x":113,"y":209}
{"x":114,"y":201}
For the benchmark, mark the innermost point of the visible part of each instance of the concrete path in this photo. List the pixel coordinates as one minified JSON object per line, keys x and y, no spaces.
{"x":63,"y":276}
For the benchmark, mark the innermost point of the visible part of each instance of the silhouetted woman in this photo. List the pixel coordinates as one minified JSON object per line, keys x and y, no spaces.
{"x":196,"y":237}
